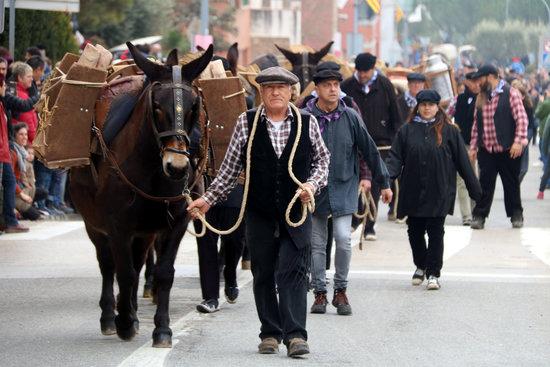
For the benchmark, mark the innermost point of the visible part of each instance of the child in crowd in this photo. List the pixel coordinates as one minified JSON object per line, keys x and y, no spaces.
{"x":427,"y":152}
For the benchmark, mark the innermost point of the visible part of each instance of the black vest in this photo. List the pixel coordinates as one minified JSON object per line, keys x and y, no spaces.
{"x":464,"y":114}
{"x":505,"y":125}
{"x":271,"y":187}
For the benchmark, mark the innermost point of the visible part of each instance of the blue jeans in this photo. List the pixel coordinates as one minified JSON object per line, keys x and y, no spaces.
{"x":341,"y":229}
{"x":43,"y":180}
{"x":8,"y":182}
{"x":57,"y":186}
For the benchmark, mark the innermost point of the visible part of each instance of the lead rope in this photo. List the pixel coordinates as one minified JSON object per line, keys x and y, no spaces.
{"x":369,"y":214}
{"x":305,"y":207}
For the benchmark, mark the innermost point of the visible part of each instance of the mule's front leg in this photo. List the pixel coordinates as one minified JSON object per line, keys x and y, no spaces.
{"x":164,"y":278}
{"x":126,"y":320}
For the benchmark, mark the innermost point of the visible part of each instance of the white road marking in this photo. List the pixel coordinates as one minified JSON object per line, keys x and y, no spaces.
{"x":44,"y":231}
{"x":537,"y":240}
{"x":147,"y":356}
{"x":453,"y":274}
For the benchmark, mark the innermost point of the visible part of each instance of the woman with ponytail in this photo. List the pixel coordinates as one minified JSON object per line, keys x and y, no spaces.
{"x":427,"y":153}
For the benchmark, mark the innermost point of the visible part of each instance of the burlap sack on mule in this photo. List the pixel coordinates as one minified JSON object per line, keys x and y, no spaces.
{"x":64,"y":133}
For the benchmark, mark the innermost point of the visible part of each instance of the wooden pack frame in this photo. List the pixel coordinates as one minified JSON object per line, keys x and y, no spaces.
{"x":224,"y":101}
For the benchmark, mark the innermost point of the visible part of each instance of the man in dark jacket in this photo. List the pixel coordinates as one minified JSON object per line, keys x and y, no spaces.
{"x":463,"y":110}
{"x":345,"y":137}
{"x":499,"y":135}
{"x":416,"y":82}
{"x":375,"y":96}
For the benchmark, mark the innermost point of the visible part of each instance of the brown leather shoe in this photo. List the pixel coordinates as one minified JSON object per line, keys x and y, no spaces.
{"x":320,"y":303}
{"x":340,"y":301}
{"x":297,"y":347}
{"x":16,"y":229}
{"x":268,"y":346}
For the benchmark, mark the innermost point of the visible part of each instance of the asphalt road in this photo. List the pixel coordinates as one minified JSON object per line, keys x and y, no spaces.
{"x":493,"y":308}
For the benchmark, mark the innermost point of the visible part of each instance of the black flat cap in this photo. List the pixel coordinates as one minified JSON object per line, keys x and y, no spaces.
{"x":416,"y":77}
{"x":327,"y":71}
{"x":471,"y":75}
{"x":487,"y":69}
{"x":276,"y":75}
{"x":365,"y":61}
{"x":428,"y":95}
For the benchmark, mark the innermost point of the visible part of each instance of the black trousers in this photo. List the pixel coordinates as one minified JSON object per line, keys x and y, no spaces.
{"x":491,"y":165}
{"x":430,"y":257}
{"x":222,"y":218}
{"x":279,"y":268}
{"x":375,"y":191}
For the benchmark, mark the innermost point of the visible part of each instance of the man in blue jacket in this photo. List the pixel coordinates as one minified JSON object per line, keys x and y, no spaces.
{"x":346,"y":138}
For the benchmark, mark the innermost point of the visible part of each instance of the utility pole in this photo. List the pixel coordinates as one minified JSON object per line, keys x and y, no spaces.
{"x":204,"y":17}
{"x":11,"y":40}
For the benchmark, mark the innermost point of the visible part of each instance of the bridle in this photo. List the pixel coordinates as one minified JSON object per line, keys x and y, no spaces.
{"x":178,"y":129}
{"x":306,"y":67}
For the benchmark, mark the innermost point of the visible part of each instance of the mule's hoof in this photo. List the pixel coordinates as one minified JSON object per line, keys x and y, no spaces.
{"x":147,"y":292}
{"x":108,"y":327}
{"x":162,"y":341}
{"x":124,"y":332}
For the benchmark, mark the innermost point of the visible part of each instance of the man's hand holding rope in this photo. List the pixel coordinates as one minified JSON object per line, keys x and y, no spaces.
{"x":198,"y":208}
{"x":387,"y":195}
{"x":307,"y":192}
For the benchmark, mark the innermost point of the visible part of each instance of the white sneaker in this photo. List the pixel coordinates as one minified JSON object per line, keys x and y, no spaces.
{"x":433,"y":283}
{"x":418,"y":277}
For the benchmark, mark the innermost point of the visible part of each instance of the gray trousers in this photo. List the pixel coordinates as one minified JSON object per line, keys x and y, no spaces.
{"x":341,"y":229}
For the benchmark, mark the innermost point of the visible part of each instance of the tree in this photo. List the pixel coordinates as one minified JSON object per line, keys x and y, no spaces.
{"x":101,"y":18}
{"x":47,"y":28}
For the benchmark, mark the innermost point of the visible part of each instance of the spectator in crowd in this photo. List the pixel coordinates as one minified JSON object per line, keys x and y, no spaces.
{"x":427,"y":153}
{"x":22,"y":158}
{"x":23,"y":76}
{"x":463,"y":110}
{"x":376,"y":98}
{"x":545,"y":151}
{"x":11,"y":224}
{"x":33,"y":51}
{"x":521,"y":86}
{"x":37,"y":64}
{"x":499,"y":135}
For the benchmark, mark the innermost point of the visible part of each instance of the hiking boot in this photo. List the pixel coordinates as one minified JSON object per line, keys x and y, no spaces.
{"x":517,"y":220}
{"x":320,"y":303}
{"x":268,"y":346}
{"x":418,"y":277}
{"x":208,"y":306}
{"x":478,"y":223}
{"x":297,"y":347}
{"x":433,"y":283}
{"x":231,"y":294}
{"x":16,"y":229}
{"x":340,"y":301}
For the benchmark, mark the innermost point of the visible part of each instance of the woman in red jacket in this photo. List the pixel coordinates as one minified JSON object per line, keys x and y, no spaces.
{"x":22,"y":74}
{"x":8,"y":178}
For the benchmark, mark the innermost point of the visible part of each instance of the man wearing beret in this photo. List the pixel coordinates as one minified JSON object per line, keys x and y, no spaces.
{"x":499,"y":135}
{"x":279,"y":253}
{"x":416,"y":82}
{"x":375,"y":96}
{"x":346,"y":137}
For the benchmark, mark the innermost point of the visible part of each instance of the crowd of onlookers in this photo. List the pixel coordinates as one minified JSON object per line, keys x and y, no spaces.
{"x":30,"y":190}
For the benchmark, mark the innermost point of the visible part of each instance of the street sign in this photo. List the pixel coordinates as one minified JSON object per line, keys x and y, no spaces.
{"x":72,"y":6}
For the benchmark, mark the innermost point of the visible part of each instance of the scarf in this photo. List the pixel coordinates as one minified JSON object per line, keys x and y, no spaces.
{"x":21,"y":155}
{"x":325,"y":117}
{"x":366,"y":87}
{"x":410,"y":100}
{"x":419,"y":119}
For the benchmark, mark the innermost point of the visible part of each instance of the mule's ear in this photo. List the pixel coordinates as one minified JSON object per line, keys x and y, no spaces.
{"x":200,"y":48}
{"x":233,"y":57}
{"x":291,"y":56}
{"x":193,"y":69}
{"x":153,"y":70}
{"x":172,"y":58}
{"x":321,"y":53}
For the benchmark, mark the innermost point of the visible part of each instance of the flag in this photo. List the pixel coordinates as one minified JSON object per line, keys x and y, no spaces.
{"x":416,"y":15}
{"x":398,"y":14}
{"x":374,"y":5}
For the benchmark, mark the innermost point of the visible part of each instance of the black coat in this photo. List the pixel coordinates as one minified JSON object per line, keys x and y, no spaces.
{"x":428,"y":172}
{"x":379,"y":108}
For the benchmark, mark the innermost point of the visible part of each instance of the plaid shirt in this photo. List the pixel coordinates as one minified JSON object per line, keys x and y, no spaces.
{"x":490,"y":141}
{"x":232,"y":164}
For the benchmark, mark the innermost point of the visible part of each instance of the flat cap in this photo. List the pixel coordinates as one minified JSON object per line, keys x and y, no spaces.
{"x":471,"y":75}
{"x":487,"y":69}
{"x":428,"y":95}
{"x":276,"y":75}
{"x":416,"y":77}
{"x":326,"y":71}
{"x":365,"y":61}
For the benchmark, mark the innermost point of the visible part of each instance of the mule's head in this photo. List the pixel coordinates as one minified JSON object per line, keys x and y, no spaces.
{"x":173,"y":106}
{"x":303,"y":64}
